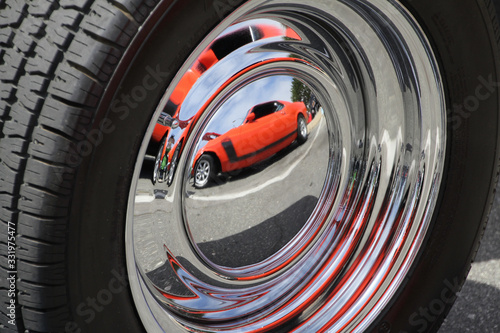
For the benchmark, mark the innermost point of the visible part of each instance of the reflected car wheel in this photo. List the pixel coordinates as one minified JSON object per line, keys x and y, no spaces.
{"x":370,"y":227}
{"x":205,"y":171}
{"x":173,"y":165}
{"x":301,"y":129}
{"x":158,"y":173}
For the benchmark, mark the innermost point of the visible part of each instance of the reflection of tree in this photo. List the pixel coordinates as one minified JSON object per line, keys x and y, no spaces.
{"x":300,"y":92}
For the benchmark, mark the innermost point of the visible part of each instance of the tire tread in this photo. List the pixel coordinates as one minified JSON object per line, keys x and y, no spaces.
{"x":56,"y":58}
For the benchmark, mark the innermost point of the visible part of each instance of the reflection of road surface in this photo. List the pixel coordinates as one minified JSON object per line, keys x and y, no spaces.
{"x":251,"y":215}
{"x":256,"y":194}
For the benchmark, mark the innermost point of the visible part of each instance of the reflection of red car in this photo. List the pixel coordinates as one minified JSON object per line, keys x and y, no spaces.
{"x":267,"y":129}
{"x":215,"y":52}
{"x":173,"y":118}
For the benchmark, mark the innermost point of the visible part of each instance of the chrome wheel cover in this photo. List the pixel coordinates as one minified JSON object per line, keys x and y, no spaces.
{"x":202,"y":173}
{"x":302,"y":127}
{"x":316,"y":237}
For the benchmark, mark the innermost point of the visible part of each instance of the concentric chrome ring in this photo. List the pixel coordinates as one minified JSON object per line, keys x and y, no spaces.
{"x":303,"y":228}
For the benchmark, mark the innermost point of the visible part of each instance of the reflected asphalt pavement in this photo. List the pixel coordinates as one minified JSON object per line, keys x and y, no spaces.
{"x":238,"y":220}
{"x":477,"y":308}
{"x":478,"y":305}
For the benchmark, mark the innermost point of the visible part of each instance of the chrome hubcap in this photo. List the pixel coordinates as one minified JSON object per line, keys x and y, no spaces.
{"x":323,"y":232}
{"x":303,"y":127}
{"x":202,"y":173}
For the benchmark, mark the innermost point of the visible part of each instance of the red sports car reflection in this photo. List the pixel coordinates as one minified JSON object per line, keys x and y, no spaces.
{"x":267,"y":129}
{"x":172,"y":126}
{"x":213,"y":54}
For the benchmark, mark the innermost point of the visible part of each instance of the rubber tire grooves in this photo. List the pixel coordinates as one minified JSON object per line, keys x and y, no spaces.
{"x":56,"y":58}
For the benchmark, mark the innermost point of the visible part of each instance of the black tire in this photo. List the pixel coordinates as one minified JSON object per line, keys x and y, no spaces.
{"x":301,"y":129}
{"x":80,"y":83}
{"x":204,"y":177}
{"x":465,"y":203}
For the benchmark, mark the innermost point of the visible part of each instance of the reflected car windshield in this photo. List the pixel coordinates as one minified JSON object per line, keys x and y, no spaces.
{"x":266,"y":109}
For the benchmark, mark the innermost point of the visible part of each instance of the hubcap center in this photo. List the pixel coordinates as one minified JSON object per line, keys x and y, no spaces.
{"x":258,"y":168}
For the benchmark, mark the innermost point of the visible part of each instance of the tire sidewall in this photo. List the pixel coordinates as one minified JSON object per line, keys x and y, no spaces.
{"x":461,"y":38}
{"x":96,"y":249}
{"x":464,"y":41}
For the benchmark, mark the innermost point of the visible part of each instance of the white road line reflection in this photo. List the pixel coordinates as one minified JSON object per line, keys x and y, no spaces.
{"x":237,"y":195}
